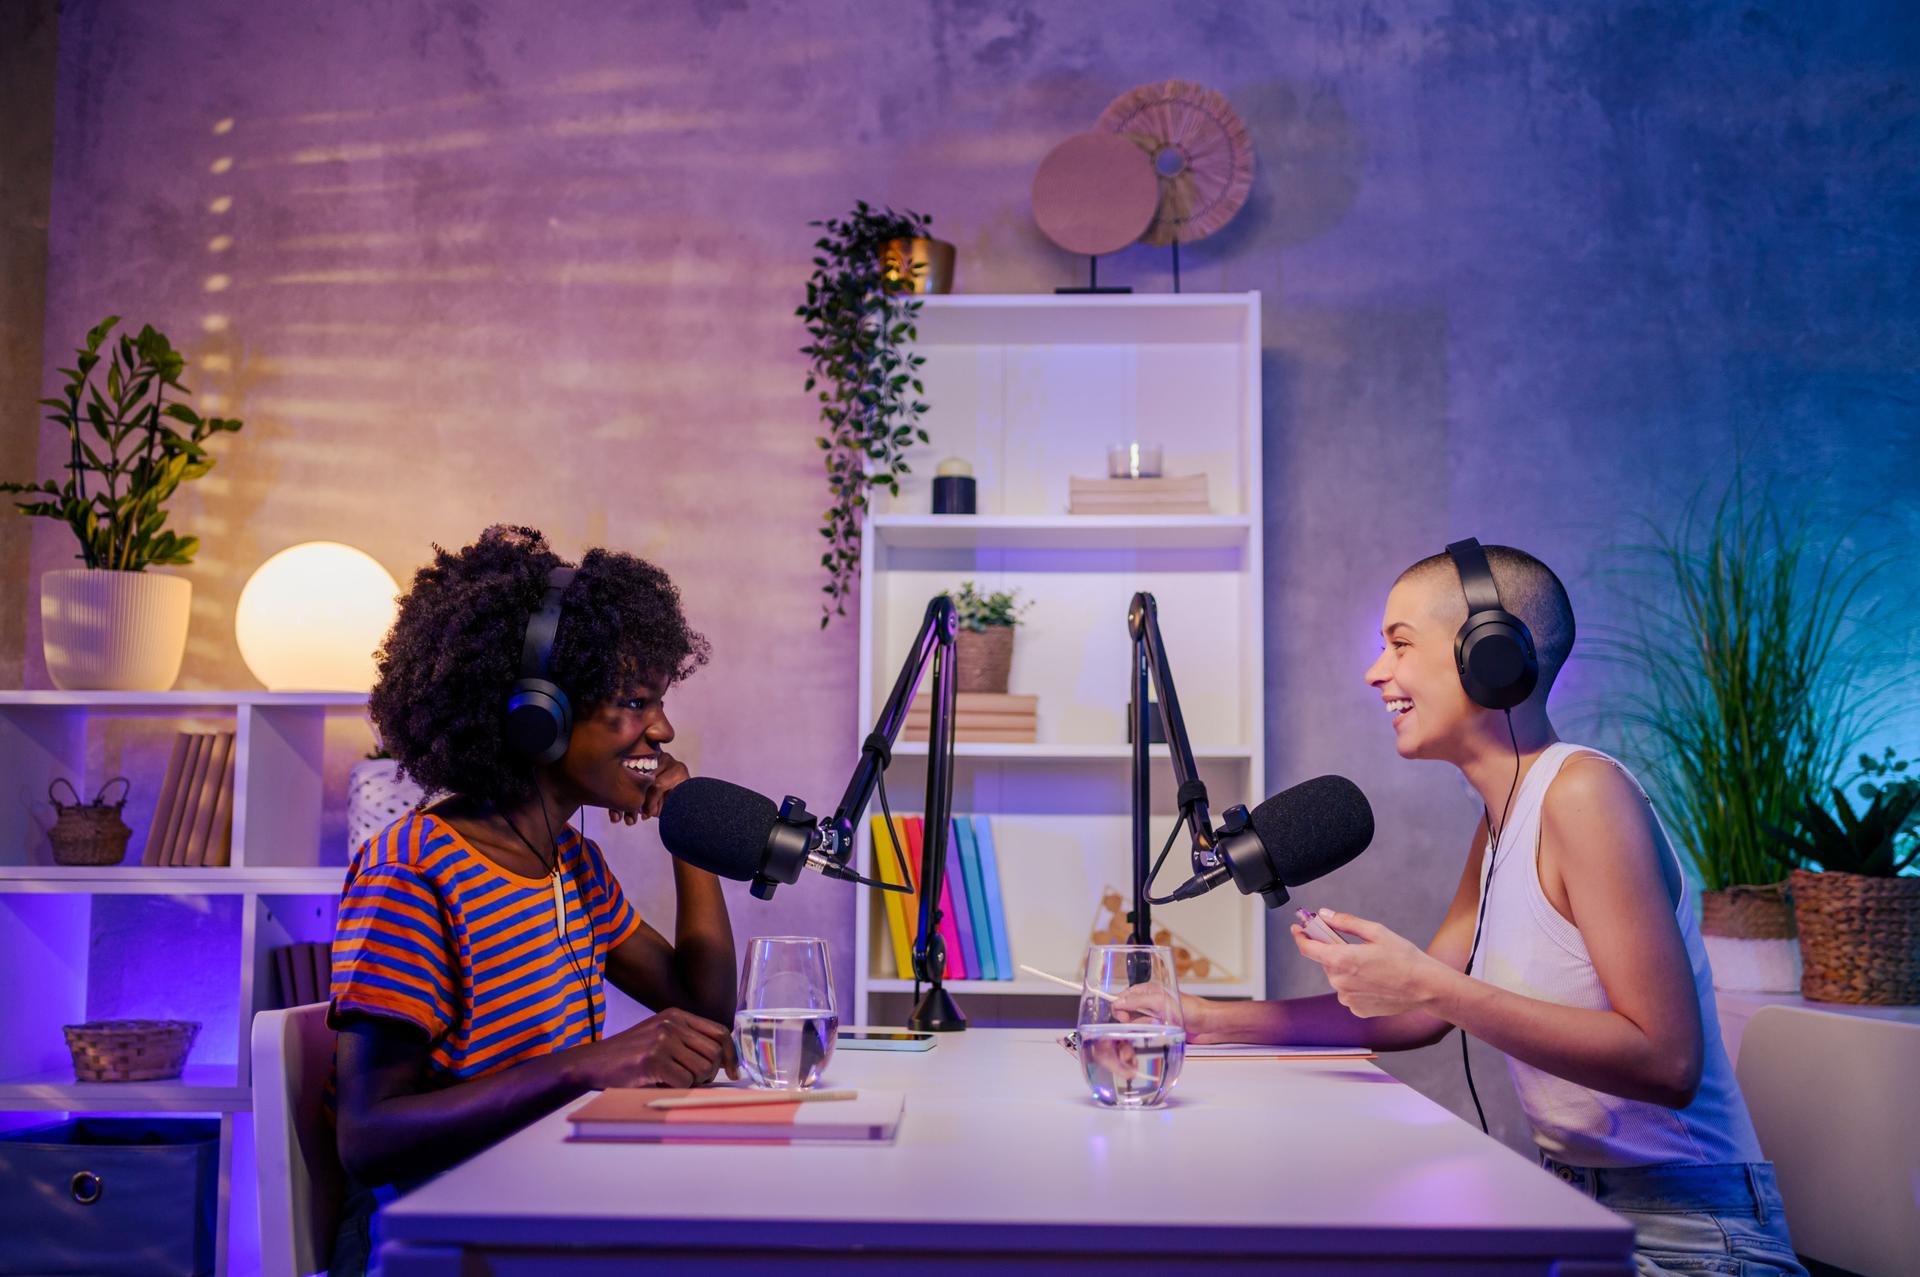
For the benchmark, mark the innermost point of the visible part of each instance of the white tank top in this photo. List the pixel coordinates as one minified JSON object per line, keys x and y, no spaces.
{"x":1526,"y":946}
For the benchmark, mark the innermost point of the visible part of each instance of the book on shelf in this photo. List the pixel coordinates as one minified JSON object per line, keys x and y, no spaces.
{"x":154,"y":852}
{"x":283,"y":969}
{"x":981,"y":717}
{"x":996,"y":901}
{"x":630,"y":1113}
{"x":193,"y":814}
{"x":305,"y":971}
{"x":902,"y":909}
{"x":186,"y":786}
{"x":207,"y":801}
{"x":976,"y":897}
{"x":962,"y":909}
{"x":1175,"y":494}
{"x":949,"y":930}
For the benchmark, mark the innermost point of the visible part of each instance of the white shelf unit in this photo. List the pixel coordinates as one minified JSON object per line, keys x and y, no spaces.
{"x":1031,"y":390}
{"x":87,"y":942}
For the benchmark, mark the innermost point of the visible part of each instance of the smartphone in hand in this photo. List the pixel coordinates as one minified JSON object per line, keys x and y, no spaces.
{"x":1313,"y":926}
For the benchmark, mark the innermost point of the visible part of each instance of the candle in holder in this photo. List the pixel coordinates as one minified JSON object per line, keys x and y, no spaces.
{"x":1133,"y":461}
{"x":953,"y":487}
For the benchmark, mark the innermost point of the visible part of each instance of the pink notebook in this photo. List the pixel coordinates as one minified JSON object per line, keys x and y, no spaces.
{"x":623,"y":1114}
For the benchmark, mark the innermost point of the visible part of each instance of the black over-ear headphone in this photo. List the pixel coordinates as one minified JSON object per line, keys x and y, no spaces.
{"x":539,"y":718}
{"x":1493,"y":650}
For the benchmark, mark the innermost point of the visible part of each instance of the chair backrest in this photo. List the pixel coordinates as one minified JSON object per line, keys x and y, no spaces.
{"x":1832,"y":1100}
{"x":302,"y":1186}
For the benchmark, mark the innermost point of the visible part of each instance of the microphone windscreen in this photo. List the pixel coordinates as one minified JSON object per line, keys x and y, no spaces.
{"x":717,"y":826}
{"x":1314,"y":827}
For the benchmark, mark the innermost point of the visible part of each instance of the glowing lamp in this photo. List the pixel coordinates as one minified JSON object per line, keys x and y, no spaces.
{"x":311,"y":616}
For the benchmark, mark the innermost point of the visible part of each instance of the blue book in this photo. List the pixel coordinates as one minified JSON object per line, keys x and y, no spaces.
{"x":962,"y":911}
{"x":990,"y":891}
{"x":976,"y":898}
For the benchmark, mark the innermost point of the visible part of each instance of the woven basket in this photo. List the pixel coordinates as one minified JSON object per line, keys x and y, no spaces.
{"x":1748,"y":913}
{"x":1859,"y":938}
{"x":88,"y":833}
{"x":130,"y":1050}
{"x":983,"y":658}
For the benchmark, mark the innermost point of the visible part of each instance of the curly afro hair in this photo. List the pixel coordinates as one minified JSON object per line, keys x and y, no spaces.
{"x":453,"y":654}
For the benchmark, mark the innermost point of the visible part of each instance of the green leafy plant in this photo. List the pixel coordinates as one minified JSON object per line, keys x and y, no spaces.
{"x":114,"y":495}
{"x":1876,"y":843}
{"x":977,"y":611}
{"x":1751,"y":697}
{"x":865,"y":376}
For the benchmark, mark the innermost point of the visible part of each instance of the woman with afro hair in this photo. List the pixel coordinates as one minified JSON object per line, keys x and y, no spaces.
{"x":475,"y":934}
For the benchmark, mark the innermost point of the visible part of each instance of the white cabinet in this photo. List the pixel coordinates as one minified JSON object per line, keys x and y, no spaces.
{"x":1031,"y":390}
{"x":128,"y":940}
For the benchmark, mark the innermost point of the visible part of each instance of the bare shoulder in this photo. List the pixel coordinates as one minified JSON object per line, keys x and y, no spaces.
{"x":1595,"y":819}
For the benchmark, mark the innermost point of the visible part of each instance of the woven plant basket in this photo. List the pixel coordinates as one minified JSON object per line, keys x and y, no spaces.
{"x":983,"y":658}
{"x":1748,"y":913}
{"x":130,"y":1050}
{"x":88,"y":833}
{"x":1859,"y":938}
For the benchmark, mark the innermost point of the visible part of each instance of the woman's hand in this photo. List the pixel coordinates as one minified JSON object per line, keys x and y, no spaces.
{"x":1149,"y":1002}
{"x":674,"y":1048}
{"x":1385,"y":976}
{"x":669,"y":772}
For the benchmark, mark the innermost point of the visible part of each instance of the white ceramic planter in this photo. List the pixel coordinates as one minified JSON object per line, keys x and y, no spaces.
{"x":376,"y":797}
{"x":108,"y":631}
{"x":1754,"y":966}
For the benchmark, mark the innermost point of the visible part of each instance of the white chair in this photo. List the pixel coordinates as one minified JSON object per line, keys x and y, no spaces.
{"x":1832,"y":1100}
{"x":302,"y":1185}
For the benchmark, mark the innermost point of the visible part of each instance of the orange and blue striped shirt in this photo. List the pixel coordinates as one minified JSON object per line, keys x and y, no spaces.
{"x":433,"y":933}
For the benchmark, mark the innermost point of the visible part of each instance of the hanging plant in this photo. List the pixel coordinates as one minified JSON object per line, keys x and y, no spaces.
{"x":864,"y":375}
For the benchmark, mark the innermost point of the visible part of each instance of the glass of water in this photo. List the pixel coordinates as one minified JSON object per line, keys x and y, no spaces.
{"x":786,"y":1025}
{"x":1133,"y":1036}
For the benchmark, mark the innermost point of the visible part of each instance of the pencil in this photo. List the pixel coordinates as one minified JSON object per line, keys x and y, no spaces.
{"x":722,"y":1097}
{"x":1064,"y":982}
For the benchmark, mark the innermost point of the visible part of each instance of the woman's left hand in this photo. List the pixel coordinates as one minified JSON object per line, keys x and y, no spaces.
{"x":669,"y":772}
{"x":1384,"y":976}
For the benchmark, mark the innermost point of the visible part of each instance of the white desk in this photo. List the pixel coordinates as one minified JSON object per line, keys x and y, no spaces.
{"x":1288,"y":1166}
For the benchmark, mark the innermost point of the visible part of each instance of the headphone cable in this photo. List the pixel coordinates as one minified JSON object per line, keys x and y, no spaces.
{"x":1493,"y":850}
{"x":553,"y":871}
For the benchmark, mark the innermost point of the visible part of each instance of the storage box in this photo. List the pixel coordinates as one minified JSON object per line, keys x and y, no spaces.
{"x":108,"y":1196}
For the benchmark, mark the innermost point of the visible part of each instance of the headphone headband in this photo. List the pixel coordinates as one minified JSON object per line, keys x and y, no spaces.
{"x":536,"y":653}
{"x":1476,"y":576}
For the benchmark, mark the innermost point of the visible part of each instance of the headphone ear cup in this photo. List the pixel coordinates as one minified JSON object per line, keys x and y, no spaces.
{"x":1497,"y":664}
{"x":539,"y":720}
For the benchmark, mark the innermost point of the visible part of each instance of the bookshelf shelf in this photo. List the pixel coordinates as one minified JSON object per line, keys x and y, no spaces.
{"x":164,"y":941}
{"x":1030,"y":390}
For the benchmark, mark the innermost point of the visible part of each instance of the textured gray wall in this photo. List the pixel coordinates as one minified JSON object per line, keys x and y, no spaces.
{"x":29,"y":33}
{"x":1530,"y":272}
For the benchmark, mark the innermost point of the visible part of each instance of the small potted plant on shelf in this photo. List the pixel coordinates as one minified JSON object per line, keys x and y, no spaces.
{"x":1859,"y":918}
{"x":113,"y":625}
{"x":860,"y":313}
{"x":983,"y":650}
{"x":1750,"y":700}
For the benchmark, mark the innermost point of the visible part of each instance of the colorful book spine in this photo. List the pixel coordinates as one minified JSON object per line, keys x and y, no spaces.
{"x":949,"y":930}
{"x":976,"y":898}
{"x":962,"y":909}
{"x":996,"y":900}
{"x":887,"y":870}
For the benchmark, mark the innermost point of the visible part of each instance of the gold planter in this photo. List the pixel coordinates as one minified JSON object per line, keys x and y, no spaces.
{"x":917,"y":265}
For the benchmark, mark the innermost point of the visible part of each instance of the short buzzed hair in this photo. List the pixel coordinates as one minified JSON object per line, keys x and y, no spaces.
{"x":1528,"y":589}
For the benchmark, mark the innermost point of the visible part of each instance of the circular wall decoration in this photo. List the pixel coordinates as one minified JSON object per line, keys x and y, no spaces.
{"x":1095,"y":193}
{"x":1199,"y":150}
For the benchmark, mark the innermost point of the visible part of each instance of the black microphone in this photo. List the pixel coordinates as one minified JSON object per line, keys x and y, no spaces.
{"x":729,"y":830}
{"x":1294,"y":837}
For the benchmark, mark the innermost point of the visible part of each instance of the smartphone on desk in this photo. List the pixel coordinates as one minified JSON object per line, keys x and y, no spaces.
{"x":860,"y":1038}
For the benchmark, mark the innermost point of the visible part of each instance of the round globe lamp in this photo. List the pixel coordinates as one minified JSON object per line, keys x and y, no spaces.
{"x":311,"y":616}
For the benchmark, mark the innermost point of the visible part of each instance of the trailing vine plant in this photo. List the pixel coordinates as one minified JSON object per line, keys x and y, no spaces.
{"x":864,"y":375}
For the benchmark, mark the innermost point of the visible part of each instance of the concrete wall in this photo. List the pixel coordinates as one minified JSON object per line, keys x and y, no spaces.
{"x":1530,"y":272}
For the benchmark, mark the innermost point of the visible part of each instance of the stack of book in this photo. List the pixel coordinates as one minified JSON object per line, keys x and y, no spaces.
{"x":999,"y":718}
{"x":973,"y":912}
{"x":193,"y":820}
{"x":728,"y":1114}
{"x":1183,"y":494}
{"x":305,"y":971}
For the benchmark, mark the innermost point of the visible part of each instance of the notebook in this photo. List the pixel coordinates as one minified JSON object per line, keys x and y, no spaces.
{"x":623,"y":1114}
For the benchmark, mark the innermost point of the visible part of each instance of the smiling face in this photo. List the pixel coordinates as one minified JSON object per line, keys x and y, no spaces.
{"x":614,"y":750}
{"x":1415,"y":674}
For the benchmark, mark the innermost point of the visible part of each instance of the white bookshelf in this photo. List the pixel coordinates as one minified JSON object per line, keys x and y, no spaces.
{"x":1030,"y":389}
{"x":68,"y":933}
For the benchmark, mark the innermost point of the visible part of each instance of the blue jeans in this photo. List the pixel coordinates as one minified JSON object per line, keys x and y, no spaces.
{"x":1695,"y":1219}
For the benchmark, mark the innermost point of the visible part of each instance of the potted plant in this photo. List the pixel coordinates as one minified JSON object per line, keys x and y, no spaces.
{"x":113,"y":625}
{"x":983,"y":649}
{"x":1749,"y":700}
{"x":1859,"y":919}
{"x":860,"y":320}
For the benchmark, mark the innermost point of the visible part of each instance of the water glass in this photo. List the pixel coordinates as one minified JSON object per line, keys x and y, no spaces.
{"x":787,"y":1022}
{"x":1133,"y":1036}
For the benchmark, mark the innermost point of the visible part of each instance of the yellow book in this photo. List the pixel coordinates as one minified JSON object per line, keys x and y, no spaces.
{"x":887,"y":869}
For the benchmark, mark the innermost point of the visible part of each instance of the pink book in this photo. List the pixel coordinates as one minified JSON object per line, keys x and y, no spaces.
{"x":949,"y":929}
